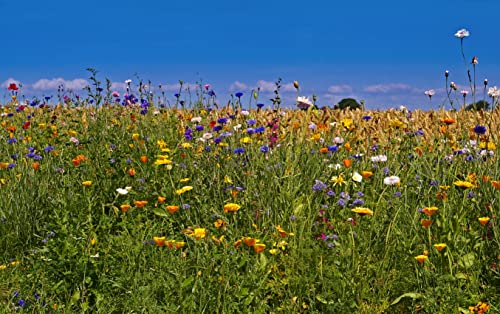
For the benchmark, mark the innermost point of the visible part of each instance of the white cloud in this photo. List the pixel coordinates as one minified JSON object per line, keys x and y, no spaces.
{"x":53,"y":84}
{"x":177,"y":86}
{"x":340,"y":89}
{"x":238,"y":86}
{"x":389,"y":88}
{"x":118,"y":86}
{"x":9,"y":81}
{"x":265,"y":86}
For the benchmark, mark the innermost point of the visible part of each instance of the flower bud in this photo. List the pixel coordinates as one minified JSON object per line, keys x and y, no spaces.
{"x":485,"y":82}
{"x":446,"y":73}
{"x":474,"y":60}
{"x":296,"y":84}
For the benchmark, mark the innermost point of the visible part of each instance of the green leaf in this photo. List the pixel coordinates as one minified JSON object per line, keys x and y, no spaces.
{"x":187,"y":282}
{"x":412,"y":295}
{"x":160,"y":212}
{"x":467,"y":260}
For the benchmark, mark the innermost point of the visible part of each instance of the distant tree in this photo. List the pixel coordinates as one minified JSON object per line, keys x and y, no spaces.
{"x":479,"y":105}
{"x":348,"y":103}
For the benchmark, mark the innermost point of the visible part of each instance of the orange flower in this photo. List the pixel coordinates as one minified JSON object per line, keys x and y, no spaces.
{"x":237,"y":243}
{"x":125,"y":207}
{"x":140,"y":204}
{"x":348,"y":146}
{"x":4,"y":165}
{"x":443,"y":129}
{"x":449,"y":121}
{"x":172,"y":208}
{"x":366,"y":174}
{"x":323,"y":150}
{"x":484,"y":220}
{"x":161,"y":199}
{"x":426,"y":223}
{"x":421,"y":258}
{"x":259,"y":248}
{"x":219,"y":223}
{"x":144,"y":159}
{"x":347,"y":162}
{"x":36,"y":166}
{"x":76,"y":162}
{"x":282,"y":232}
{"x":180,"y":244}
{"x":496,"y":184}
{"x":131,"y":172}
{"x":440,"y":246}
{"x":160,"y":241}
{"x":418,"y":150}
{"x":170,"y":243}
{"x":249,"y":241}
{"x":429,"y":211}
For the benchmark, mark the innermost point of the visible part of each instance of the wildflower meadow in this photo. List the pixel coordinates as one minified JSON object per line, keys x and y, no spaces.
{"x":124,"y":203}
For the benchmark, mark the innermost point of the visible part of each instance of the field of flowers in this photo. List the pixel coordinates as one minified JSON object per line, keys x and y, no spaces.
{"x":131,"y":207}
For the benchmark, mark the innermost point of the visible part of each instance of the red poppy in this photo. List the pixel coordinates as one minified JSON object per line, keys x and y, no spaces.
{"x":26,"y":125}
{"x":12,"y":86}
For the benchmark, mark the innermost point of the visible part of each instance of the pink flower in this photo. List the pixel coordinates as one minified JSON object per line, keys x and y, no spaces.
{"x":207,"y":86}
{"x":116,"y":94}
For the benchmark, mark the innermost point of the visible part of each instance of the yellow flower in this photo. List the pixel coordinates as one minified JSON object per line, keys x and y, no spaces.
{"x":184,"y":180}
{"x":179,"y":244}
{"x":199,"y":233}
{"x":484,"y":220}
{"x":231,"y":207}
{"x":135,"y":136}
{"x":273,"y":251}
{"x":421,"y":258}
{"x":338,"y":180}
{"x":440,"y":246}
{"x":246,"y":140}
{"x":87,"y":183}
{"x":249,"y":241}
{"x":2,"y":267}
{"x":15,"y":263}
{"x":347,"y":123}
{"x":464,"y":184}
{"x":93,"y":241}
{"x":72,"y":133}
{"x":163,"y":162}
{"x":183,"y":189}
{"x":396,"y":124}
{"x":363,"y":211}
{"x":186,"y":145}
{"x":125,"y":207}
{"x":219,"y":223}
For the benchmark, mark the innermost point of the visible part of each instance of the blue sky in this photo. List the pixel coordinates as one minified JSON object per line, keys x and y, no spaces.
{"x":384,"y":52}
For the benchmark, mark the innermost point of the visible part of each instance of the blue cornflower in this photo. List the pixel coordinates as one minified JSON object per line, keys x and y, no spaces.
{"x":208,"y":149}
{"x":345,"y":195}
{"x":260,"y":105}
{"x":360,"y":194}
{"x":240,"y":150}
{"x":434,"y":183}
{"x":341,"y":202}
{"x":264,"y":148}
{"x":217,"y":128}
{"x":238,"y":94}
{"x":14,"y":156}
{"x":250,"y":131}
{"x":366,"y":118}
{"x":112,"y":147}
{"x":48,"y":148}
{"x":479,"y":129}
{"x":222,"y":120}
{"x":21,"y":303}
{"x":177,"y":95}
{"x":260,"y":129}
{"x":419,"y":132}
{"x":374,"y":148}
{"x":37,"y":157}
{"x":333,"y":148}
{"x":386,"y":171}
{"x":217,"y":140}
{"x":397,"y":194}
{"x":12,"y":140}
{"x":11,"y":165}
{"x":251,"y":121}
{"x":330,"y":193}
{"x":199,"y":128}
{"x":143,"y":111}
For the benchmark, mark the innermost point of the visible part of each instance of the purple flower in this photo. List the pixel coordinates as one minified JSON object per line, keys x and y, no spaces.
{"x":264,"y":148}
{"x":238,"y":94}
{"x":358,"y":202}
{"x":260,"y":129}
{"x":397,"y":194}
{"x":366,"y":118}
{"x":330,"y":193}
{"x":199,"y":128}
{"x":250,"y":131}
{"x":341,"y":202}
{"x":240,"y":150}
{"x":217,"y":128}
{"x":222,"y":120}
{"x":319,"y":186}
{"x":251,"y":122}
{"x":12,"y":140}
{"x":260,"y":105}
